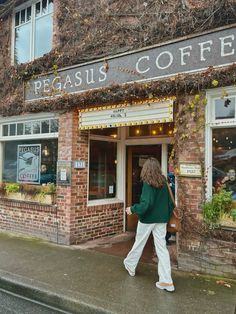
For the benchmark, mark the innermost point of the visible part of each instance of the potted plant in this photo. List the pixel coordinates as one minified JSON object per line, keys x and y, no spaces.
{"x":35,"y":193}
{"x":47,"y":193}
{"x":218,"y":211}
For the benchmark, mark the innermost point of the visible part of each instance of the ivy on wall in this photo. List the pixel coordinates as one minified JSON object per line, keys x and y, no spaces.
{"x":104,"y":28}
{"x":107,"y":27}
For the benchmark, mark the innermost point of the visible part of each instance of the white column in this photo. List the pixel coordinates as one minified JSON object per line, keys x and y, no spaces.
{"x":164,"y":158}
{"x":121,"y":171}
{"x":1,"y":160}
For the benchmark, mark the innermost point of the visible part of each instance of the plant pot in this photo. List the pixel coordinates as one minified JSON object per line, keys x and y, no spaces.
{"x":45,"y":199}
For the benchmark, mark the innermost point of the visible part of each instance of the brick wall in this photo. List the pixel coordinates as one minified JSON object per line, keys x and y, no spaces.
{"x":29,"y":218}
{"x":200,"y":249}
{"x":77,"y":220}
{"x":70,"y":220}
{"x":209,"y":255}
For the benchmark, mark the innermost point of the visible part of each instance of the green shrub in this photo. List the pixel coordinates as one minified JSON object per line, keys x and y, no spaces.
{"x":50,"y":188}
{"x":213,"y":209}
{"x":12,"y":187}
{"x":233,"y":214}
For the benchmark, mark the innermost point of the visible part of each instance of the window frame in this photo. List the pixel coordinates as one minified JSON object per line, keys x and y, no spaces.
{"x":19,"y":119}
{"x":212,"y":123}
{"x":29,"y":118}
{"x":117,"y":198}
{"x":32,"y":4}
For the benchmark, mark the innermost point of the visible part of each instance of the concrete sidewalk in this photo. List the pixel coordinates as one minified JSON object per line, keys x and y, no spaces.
{"x":83,"y":281}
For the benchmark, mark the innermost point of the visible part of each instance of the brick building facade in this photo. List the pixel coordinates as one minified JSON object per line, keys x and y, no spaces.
{"x":93,"y":141}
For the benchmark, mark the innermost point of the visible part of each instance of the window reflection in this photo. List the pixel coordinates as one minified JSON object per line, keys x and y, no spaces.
{"x":22,"y":43}
{"x":33,"y":34}
{"x":17,"y":19}
{"x":20,"y":128}
{"x":27,"y":128}
{"x":44,"y":7}
{"x":36,"y":127}
{"x":225,"y":108}
{"x":43,"y":35}
{"x":102,"y":170}
{"x":112,"y":132}
{"x":5,"y":130}
{"x":45,"y":126}
{"x":54,"y":125}
{"x":48,"y":161}
{"x":28,"y":14}
{"x":37,"y":9}
{"x":160,"y":129}
{"x":12,"y":129}
{"x":224,"y":159}
{"x":50,"y":6}
{"x":22,"y":19}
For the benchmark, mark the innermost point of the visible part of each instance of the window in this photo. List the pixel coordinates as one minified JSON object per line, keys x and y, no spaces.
{"x":102,"y":170}
{"x":28,"y":128}
{"x":224,"y":108}
{"x":29,"y":149}
{"x":160,"y":129}
{"x":22,"y":165}
{"x":33,"y":30}
{"x":112,"y":132}
{"x":224,"y":159}
{"x":221,"y":141}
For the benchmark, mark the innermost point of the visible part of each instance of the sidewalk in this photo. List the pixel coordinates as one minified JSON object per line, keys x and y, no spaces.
{"x":84,"y":281}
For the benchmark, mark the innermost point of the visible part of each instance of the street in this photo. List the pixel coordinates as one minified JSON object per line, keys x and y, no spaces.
{"x":13,"y":304}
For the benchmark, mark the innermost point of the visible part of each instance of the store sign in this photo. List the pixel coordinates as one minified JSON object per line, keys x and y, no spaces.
{"x":192,"y":54}
{"x":28,"y":163}
{"x":190,"y":170}
{"x":153,"y":112}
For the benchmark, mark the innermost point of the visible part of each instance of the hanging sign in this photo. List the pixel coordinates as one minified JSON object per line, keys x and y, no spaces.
{"x":149,"y":113}
{"x":184,"y":55}
{"x":28,"y":163}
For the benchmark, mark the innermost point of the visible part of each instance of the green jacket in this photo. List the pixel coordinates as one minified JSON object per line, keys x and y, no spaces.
{"x":155,"y":205}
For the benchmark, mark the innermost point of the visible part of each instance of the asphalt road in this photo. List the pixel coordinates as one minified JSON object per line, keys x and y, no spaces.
{"x":12,"y":304}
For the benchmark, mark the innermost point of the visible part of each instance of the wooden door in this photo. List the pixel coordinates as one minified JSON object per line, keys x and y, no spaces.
{"x":136,"y":156}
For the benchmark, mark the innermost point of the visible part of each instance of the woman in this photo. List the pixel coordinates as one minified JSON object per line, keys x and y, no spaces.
{"x":154,"y":211}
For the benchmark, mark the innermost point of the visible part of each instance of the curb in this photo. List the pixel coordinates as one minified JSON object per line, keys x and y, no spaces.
{"x":50,"y":298}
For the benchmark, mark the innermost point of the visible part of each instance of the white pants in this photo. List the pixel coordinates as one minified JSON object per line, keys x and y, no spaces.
{"x":159,"y":232}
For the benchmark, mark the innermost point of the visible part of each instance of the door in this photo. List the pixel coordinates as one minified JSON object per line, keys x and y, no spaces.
{"x":136,"y":156}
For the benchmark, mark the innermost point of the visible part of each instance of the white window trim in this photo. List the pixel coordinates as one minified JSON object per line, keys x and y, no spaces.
{"x":212,"y":123}
{"x":32,"y":43}
{"x":118,"y":198}
{"x":122,"y":143}
{"x":36,"y":116}
{"x":19,"y":119}
{"x":27,"y":118}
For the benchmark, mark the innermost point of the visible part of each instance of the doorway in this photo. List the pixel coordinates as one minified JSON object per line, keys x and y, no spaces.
{"x":136,"y":156}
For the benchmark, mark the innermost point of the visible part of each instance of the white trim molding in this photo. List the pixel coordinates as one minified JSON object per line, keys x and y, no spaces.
{"x":212,"y":123}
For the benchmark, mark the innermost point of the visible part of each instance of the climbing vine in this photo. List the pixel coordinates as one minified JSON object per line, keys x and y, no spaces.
{"x":103,"y":28}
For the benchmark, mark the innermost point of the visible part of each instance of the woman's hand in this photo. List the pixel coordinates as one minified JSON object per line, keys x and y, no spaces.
{"x":128,"y":211}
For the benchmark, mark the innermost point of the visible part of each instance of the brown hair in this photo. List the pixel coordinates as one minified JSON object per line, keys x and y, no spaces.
{"x":151,"y":173}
